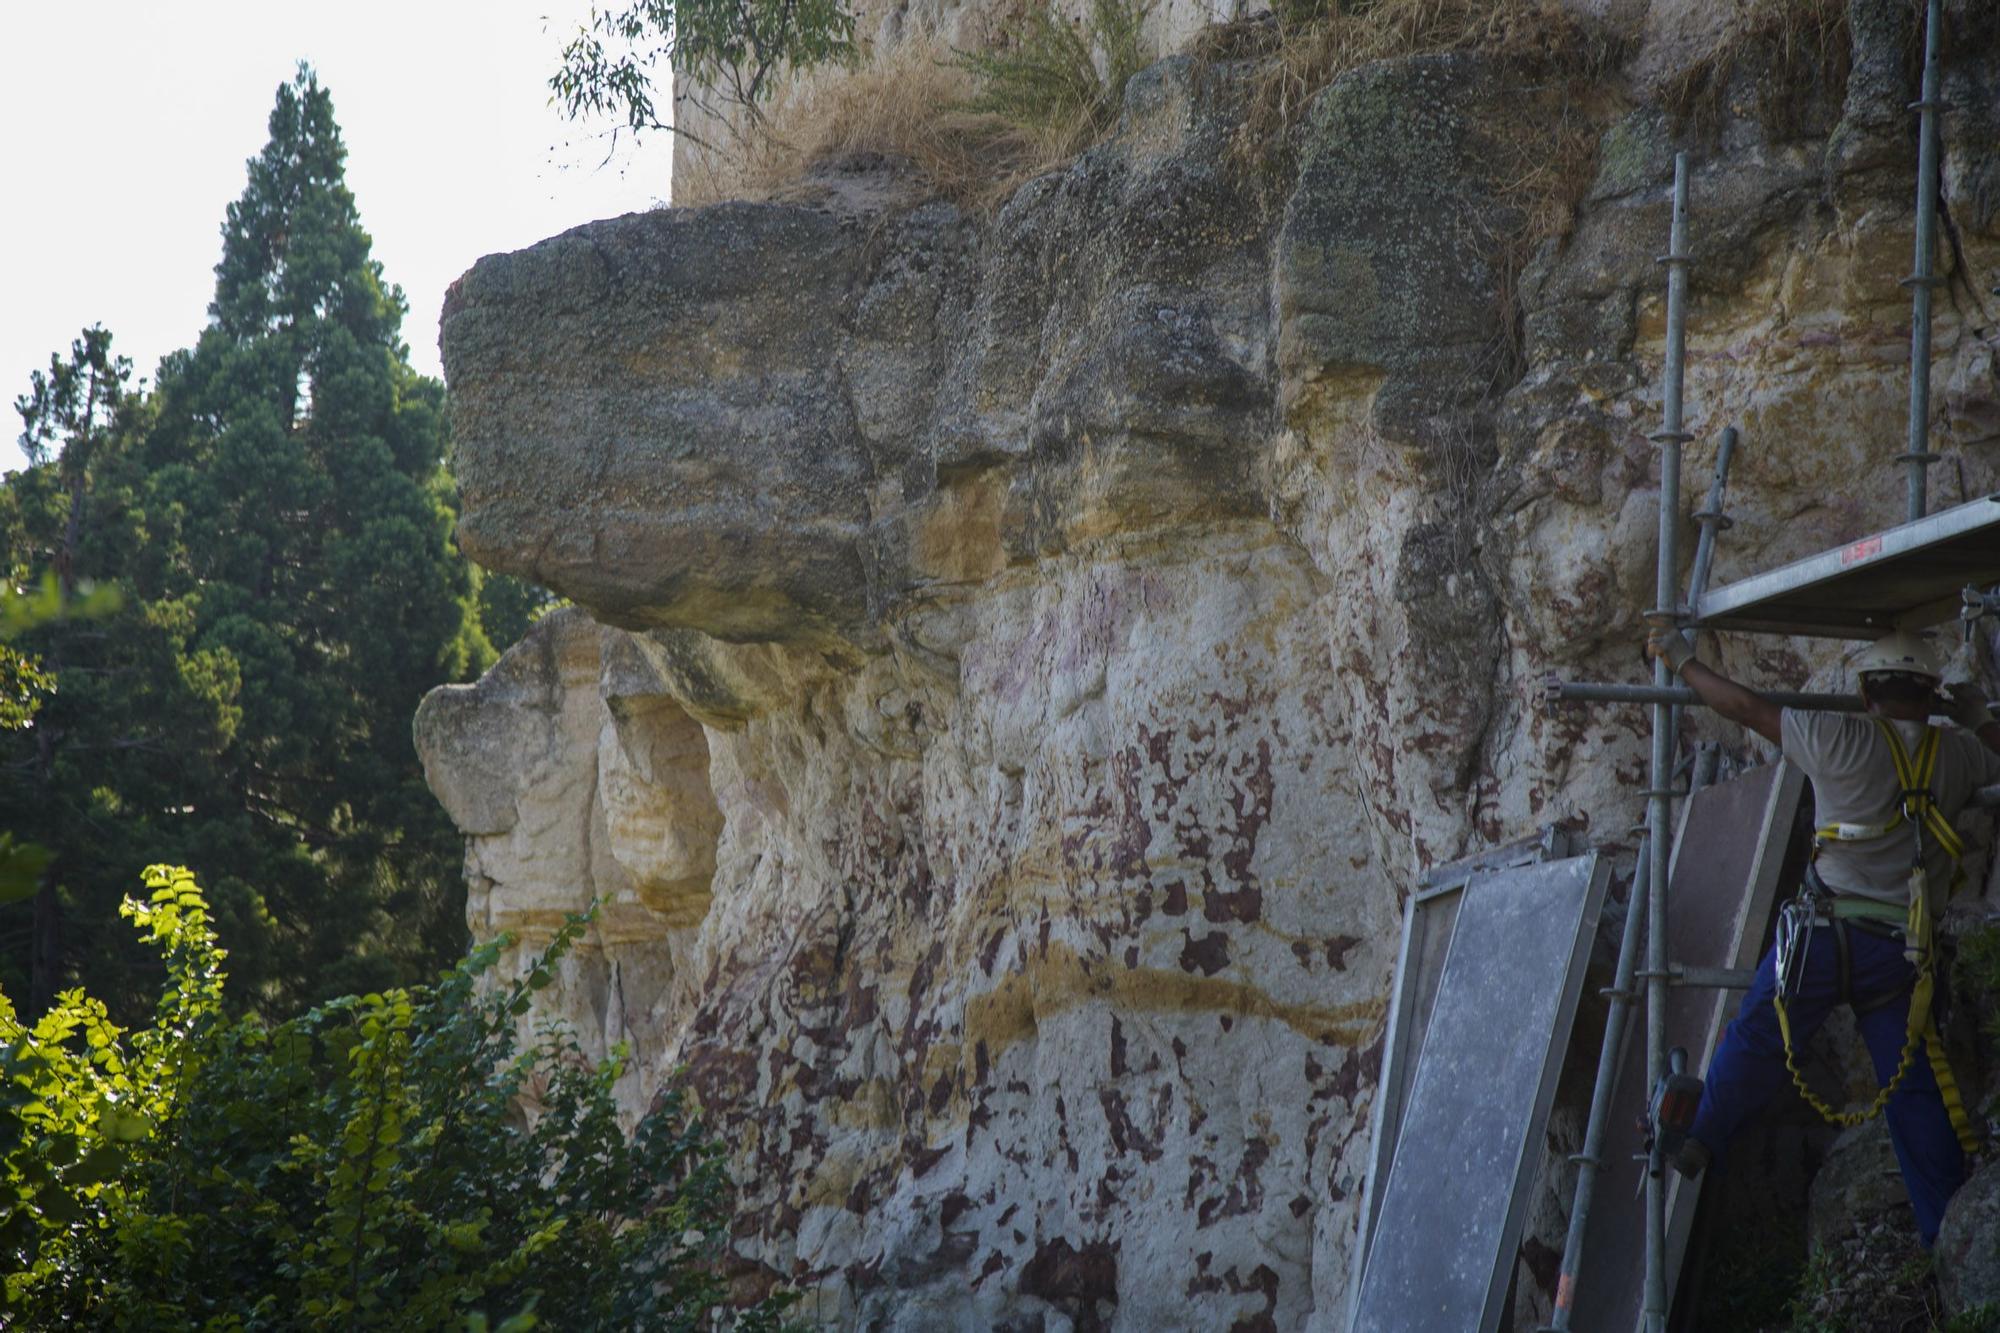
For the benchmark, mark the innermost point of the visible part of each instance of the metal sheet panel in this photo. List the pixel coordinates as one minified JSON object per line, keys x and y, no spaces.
{"x":1452,"y":1206}
{"x":1905,"y":578}
{"x":1428,"y":918}
{"x":1728,"y":857}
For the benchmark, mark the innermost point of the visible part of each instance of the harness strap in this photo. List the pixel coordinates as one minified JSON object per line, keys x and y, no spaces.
{"x":1916,"y":805}
{"x":1915,"y":1030}
{"x":1915,"y":773}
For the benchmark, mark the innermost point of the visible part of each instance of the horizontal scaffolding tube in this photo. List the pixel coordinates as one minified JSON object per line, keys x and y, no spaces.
{"x":1589,"y":692}
{"x":1716,"y":978}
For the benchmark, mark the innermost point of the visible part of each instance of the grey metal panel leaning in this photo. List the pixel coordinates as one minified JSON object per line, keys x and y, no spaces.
{"x":1451,"y":1214}
{"x":1428,"y":920}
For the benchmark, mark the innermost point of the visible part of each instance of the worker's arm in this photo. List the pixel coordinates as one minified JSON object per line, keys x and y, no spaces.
{"x":1742,"y":706}
{"x":1968,"y":706}
{"x":1745,"y":707}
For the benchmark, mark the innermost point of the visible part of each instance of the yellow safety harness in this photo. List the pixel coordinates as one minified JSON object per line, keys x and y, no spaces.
{"x":1916,"y":806}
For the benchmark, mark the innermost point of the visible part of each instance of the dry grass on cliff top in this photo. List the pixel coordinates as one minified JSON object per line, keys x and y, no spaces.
{"x":1796,"y":53}
{"x":909,"y":104}
{"x":975,"y":125}
{"x":931,"y":108}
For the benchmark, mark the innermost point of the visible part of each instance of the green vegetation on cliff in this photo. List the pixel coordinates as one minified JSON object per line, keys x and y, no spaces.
{"x":362,"y":1166}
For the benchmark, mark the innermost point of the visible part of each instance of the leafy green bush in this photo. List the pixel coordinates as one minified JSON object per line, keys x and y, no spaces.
{"x":1046,"y":77}
{"x":362,"y":1166}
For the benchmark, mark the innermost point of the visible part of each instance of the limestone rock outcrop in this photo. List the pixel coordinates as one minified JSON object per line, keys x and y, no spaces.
{"x":1023,"y":663}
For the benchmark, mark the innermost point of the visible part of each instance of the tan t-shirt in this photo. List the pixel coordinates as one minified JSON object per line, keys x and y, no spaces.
{"x":1854,"y":781}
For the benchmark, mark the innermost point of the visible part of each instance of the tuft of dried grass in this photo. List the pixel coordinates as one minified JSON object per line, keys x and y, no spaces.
{"x":972,"y":126}
{"x":1800,"y":52}
{"x":1060,"y":77}
{"x":908,"y":105}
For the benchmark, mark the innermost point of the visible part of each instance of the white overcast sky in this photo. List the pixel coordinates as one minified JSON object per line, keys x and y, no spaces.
{"x":125,"y":125}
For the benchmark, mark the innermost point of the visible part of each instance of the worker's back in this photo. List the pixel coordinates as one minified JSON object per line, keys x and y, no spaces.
{"x":1854,"y":782}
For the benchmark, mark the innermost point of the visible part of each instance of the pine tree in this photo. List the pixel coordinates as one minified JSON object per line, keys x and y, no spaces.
{"x":283,"y":529}
{"x":136,"y":708}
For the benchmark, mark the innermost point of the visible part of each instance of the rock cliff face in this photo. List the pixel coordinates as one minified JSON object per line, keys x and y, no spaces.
{"x":1021,"y":664}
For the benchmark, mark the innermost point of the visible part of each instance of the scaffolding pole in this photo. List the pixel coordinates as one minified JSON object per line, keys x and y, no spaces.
{"x":1620,"y":993}
{"x":1680,"y":696}
{"x":1713,"y":521}
{"x":1591,"y":1159}
{"x":1923,"y":275}
{"x":1659,"y":798}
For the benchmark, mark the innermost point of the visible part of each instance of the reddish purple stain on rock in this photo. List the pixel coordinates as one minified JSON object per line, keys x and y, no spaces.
{"x":1075,"y":1279}
{"x":1207,"y":955}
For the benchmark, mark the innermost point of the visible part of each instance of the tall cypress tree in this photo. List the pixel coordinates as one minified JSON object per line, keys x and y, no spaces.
{"x":285,"y":510}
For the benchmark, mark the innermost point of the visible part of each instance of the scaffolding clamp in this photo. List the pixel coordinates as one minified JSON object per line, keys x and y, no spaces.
{"x":1976,"y":605}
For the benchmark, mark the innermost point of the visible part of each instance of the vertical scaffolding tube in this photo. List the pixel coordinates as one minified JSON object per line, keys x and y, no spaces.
{"x":1923,"y":276}
{"x":1591,"y":1159}
{"x":1712,"y":522}
{"x":1659,"y":802}
{"x":1711,"y":517}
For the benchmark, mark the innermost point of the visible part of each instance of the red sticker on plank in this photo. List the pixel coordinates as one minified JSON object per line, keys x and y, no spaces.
{"x":1861,"y":550}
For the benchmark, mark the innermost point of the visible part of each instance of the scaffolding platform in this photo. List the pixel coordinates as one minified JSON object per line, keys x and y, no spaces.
{"x":1908,"y":577}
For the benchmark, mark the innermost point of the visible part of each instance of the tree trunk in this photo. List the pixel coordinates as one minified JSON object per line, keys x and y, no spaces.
{"x":45,"y":950}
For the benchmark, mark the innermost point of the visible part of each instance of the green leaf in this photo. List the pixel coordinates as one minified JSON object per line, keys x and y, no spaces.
{"x":58,"y":1207}
{"x":21,"y":867}
{"x":100,"y":1164}
{"x":123,"y":1125}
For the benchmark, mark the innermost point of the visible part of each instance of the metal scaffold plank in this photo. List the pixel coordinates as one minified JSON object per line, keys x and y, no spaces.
{"x":1428,"y":921}
{"x":1728,"y":859}
{"x":1450,"y":1219}
{"x":1905,"y":578}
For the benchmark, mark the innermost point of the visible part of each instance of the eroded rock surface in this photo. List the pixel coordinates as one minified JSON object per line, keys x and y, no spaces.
{"x":1049,"y":646}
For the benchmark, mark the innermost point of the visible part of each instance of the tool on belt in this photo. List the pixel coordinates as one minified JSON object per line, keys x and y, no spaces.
{"x":1671,"y":1116}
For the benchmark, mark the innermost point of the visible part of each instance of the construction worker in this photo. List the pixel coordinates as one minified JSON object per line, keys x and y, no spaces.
{"x":1886,"y":788}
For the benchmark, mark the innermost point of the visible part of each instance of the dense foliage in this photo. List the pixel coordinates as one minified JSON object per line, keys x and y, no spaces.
{"x":363,"y":1166}
{"x":277,"y":518}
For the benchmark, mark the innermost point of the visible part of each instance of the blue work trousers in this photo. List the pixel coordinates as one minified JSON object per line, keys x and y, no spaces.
{"x":1749,"y":1063}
